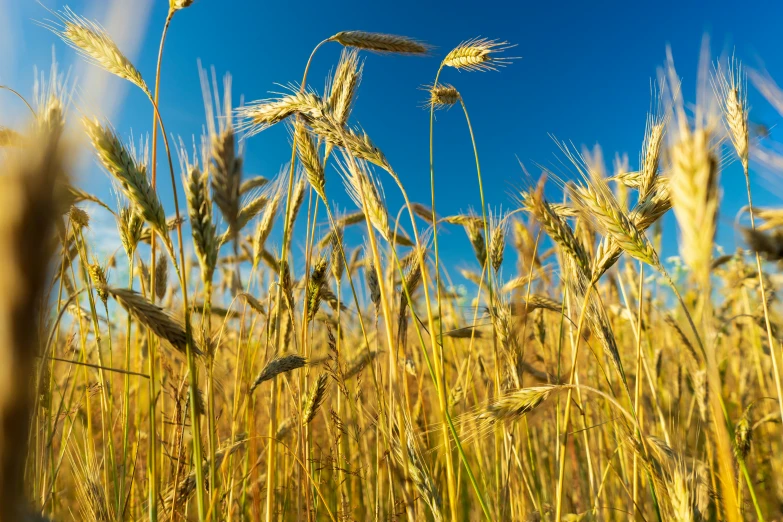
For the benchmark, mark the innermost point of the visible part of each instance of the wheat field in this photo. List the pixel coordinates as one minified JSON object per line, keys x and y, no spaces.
{"x":228,"y":376}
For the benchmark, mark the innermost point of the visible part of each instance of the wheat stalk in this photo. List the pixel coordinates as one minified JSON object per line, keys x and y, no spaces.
{"x":160,"y":322}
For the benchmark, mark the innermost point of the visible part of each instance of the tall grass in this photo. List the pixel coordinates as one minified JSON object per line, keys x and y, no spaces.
{"x":350,"y":383}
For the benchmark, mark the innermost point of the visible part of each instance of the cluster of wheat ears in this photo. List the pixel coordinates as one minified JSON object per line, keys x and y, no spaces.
{"x":350,"y":383}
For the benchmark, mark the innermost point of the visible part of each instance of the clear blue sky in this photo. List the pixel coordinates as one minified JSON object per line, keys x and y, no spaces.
{"x":584,"y":76}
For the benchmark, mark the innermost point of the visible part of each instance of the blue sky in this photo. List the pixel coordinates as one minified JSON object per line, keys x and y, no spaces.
{"x":584,"y":76}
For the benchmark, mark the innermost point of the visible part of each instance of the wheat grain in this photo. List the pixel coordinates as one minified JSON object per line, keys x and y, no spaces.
{"x":478,"y":54}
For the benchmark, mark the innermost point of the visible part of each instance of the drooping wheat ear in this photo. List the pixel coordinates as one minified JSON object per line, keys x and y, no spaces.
{"x":557,"y":228}
{"x":251,"y":207}
{"x":514,"y":405}
{"x":79,"y":217}
{"x":93,"y":42}
{"x":160,"y":322}
{"x":130,"y":226}
{"x":276,"y":366}
{"x":311,"y":159}
{"x":315,"y":285}
{"x":315,"y":398}
{"x":646,"y":212}
{"x":366,"y":193}
{"x":535,"y":301}
{"x":203,"y":229}
{"x":260,"y":115}
{"x":498,"y":226}
{"x":694,"y":196}
{"x":379,"y":42}
{"x":264,"y":227}
{"x":442,"y":96}
{"x":354,"y":140}
{"x":251,"y":300}
{"x":161,"y":277}
{"x":252,"y":183}
{"x":131,"y":175}
{"x":343,"y":86}
{"x":731,"y":89}
{"x":478,"y":54}
{"x":598,"y":204}
{"x":98,"y":277}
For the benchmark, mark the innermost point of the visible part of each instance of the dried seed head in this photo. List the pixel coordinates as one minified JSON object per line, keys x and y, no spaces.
{"x":277,"y":366}
{"x":354,"y":140}
{"x":204,"y":232}
{"x":260,"y":115}
{"x":474,"y":228}
{"x":131,"y":175}
{"x":267,"y":221}
{"x":161,"y":277}
{"x":478,"y":54}
{"x":96,"y":46}
{"x":694,"y":195}
{"x":315,"y":398}
{"x":653,"y":137}
{"x":79,"y":218}
{"x":98,"y":277}
{"x":311,"y":160}
{"x":315,"y":286}
{"x":130,"y":226}
{"x":366,"y":193}
{"x":379,"y":42}
{"x":160,"y":322}
{"x":297,"y":198}
{"x":512,"y":406}
{"x":442,"y":96}
{"x":373,"y":285}
{"x":743,"y":435}
{"x":557,"y":228}
{"x":343,"y":86}
{"x":498,"y":225}
{"x":731,"y":88}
